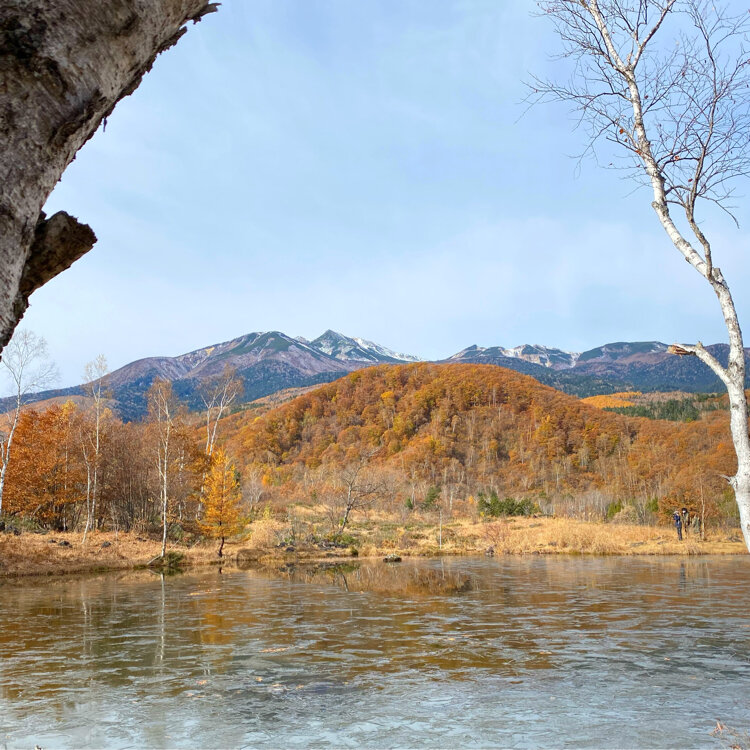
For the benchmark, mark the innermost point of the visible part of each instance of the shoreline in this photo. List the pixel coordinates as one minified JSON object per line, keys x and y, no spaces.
{"x":55,"y":554}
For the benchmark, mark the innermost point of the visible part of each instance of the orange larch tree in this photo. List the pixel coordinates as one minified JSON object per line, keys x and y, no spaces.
{"x":221,"y":515}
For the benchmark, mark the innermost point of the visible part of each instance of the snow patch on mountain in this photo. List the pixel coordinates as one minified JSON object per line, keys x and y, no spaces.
{"x":348,"y":349}
{"x":557,"y":359}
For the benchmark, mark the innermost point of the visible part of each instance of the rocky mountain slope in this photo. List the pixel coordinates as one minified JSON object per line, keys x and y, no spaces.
{"x":271,"y":361}
{"x":267,"y":362}
{"x":619,"y":366}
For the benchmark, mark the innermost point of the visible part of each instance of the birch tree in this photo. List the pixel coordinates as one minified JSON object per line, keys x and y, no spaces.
{"x":28,"y":368}
{"x":95,"y":375}
{"x":65,"y":66}
{"x":667,"y":84}
{"x":163,"y":411}
{"x":218,"y":393}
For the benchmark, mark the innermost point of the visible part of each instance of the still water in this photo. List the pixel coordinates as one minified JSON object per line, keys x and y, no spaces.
{"x":510,"y":652}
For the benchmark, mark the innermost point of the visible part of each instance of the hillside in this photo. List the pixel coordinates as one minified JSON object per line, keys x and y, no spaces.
{"x":453,"y":431}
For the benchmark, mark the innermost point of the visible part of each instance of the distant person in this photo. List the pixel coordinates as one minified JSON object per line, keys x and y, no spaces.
{"x":685,"y":520}
{"x":678,"y":523}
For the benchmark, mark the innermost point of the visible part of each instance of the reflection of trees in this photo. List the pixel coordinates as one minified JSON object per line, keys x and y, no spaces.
{"x":200,"y":642}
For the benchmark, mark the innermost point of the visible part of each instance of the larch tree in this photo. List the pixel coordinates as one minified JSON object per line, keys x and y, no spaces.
{"x":28,"y":368}
{"x":222,"y":516}
{"x":667,"y":84}
{"x":64,"y":65}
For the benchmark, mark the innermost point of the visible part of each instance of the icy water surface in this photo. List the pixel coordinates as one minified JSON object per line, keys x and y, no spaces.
{"x":509,"y":652}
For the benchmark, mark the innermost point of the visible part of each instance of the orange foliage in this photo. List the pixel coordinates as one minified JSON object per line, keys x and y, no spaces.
{"x":472,"y":427}
{"x":46,"y":472}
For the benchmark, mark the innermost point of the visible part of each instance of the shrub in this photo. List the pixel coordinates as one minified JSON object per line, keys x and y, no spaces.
{"x":431,"y":498}
{"x":266,"y":533}
{"x":613,"y":509}
{"x":492,"y":505}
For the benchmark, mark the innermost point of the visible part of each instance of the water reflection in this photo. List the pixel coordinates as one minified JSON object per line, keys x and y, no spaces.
{"x":598,"y":652}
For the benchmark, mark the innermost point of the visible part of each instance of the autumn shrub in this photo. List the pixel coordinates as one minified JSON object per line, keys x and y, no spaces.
{"x":266,"y":533}
{"x":496,"y":533}
{"x":171,"y":561}
{"x":627,"y":514}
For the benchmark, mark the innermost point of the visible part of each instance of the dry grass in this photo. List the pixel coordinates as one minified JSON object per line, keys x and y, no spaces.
{"x":266,"y":533}
{"x":566,"y":536}
{"x":42,"y":554}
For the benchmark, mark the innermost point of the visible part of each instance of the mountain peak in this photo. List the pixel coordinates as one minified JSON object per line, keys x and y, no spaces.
{"x":341,"y":347}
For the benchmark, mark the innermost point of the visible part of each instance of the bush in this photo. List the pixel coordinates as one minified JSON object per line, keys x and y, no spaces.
{"x":20,"y":524}
{"x":613,"y":509}
{"x":628,"y":514}
{"x":431,"y":498}
{"x":492,"y":505}
{"x":266,"y":534}
{"x":171,"y":562}
{"x":343,"y":540}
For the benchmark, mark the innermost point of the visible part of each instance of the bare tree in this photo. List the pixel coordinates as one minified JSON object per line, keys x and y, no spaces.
{"x":218,"y":393}
{"x":252,"y":486}
{"x":355,"y":488}
{"x":28,"y":368}
{"x":667,"y":82}
{"x":65,"y":65}
{"x":95,"y":375}
{"x":163,"y":411}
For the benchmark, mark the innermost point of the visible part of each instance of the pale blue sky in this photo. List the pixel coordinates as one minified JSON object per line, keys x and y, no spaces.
{"x":364,"y":166}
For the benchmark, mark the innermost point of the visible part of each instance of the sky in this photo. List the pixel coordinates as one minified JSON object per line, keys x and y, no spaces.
{"x":369,"y":167}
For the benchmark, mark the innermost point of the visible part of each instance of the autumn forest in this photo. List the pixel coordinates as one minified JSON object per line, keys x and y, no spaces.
{"x":410,"y":439}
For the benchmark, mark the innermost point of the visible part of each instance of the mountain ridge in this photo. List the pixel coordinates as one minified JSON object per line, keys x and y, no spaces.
{"x":269,"y":361}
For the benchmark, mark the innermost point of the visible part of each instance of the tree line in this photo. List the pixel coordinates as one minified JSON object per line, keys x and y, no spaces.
{"x":440,"y":437}
{"x":76,"y":466}
{"x":454,"y":440}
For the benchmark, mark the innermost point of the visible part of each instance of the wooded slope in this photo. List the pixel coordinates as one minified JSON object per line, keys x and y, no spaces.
{"x":462,"y":429}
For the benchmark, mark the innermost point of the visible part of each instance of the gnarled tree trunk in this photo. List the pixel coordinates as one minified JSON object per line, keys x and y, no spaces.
{"x":64,"y":65}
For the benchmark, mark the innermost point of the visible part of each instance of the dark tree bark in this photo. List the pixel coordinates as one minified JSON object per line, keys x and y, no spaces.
{"x":64,"y":65}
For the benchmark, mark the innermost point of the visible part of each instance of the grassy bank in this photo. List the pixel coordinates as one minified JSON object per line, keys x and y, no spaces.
{"x":523,"y":536}
{"x":60,"y":553}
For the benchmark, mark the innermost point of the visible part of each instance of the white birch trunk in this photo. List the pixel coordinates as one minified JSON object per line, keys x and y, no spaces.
{"x":6,"y":449}
{"x":65,"y":65}
{"x":164,"y":476}
{"x":733,"y":376}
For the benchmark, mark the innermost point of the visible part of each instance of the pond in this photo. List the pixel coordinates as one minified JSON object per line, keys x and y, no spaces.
{"x":511,"y":652}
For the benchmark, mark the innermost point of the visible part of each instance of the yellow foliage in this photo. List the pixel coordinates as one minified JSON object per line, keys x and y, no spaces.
{"x":612,"y":400}
{"x":221,"y":516}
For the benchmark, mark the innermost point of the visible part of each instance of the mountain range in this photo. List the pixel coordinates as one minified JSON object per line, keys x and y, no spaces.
{"x":271,"y":361}
{"x":618,"y":366}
